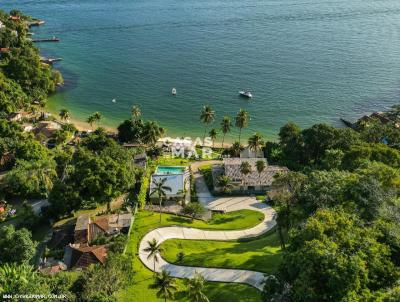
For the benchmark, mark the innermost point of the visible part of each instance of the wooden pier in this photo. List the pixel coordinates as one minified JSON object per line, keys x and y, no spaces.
{"x":54,"y":39}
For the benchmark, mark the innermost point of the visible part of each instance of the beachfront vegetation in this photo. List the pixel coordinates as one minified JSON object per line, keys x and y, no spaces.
{"x":207,"y":116}
{"x":241,"y":121}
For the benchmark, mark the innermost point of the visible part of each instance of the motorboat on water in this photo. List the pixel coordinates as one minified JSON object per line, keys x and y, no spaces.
{"x":173,"y":91}
{"x":246,"y":94}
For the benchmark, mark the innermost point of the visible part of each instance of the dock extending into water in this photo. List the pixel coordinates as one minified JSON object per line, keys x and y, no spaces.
{"x":54,"y":39}
{"x":49,"y":61}
{"x":36,"y":23}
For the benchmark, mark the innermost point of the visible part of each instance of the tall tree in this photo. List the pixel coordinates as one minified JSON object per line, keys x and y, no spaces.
{"x":225,"y":183}
{"x":97,"y":117}
{"x":235,"y":149}
{"x":154,"y":249}
{"x":91,"y":120}
{"x":260,"y":166}
{"x":287,"y":188}
{"x":159,"y":190}
{"x":213,"y":135}
{"x":242,"y":120}
{"x":64,"y":115}
{"x":207,"y":117}
{"x":165,"y":285}
{"x":152,"y":132}
{"x":256,"y":142}
{"x":16,"y":245}
{"x":226,"y":125}
{"x":135,"y":112}
{"x":245,"y":169}
{"x":195,"y":288}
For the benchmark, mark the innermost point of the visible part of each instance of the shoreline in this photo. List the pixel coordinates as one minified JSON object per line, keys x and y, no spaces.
{"x":84,"y":126}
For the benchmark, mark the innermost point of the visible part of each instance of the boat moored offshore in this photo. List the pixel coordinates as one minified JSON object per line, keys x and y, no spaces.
{"x":246,"y":94}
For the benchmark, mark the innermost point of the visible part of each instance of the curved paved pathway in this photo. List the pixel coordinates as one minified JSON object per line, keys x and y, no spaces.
{"x":212,"y":274}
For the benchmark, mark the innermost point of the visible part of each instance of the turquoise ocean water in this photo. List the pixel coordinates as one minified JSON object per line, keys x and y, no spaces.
{"x":306,"y":61}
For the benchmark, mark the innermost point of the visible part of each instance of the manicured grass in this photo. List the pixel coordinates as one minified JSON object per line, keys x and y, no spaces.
{"x":168,"y":161}
{"x":145,"y":221}
{"x":261,"y":254}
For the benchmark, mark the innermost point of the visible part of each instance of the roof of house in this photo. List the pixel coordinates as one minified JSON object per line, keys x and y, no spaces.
{"x":53,"y":267}
{"x":140,"y":160}
{"x":174,"y":181}
{"x":62,"y":236}
{"x":47,"y":128}
{"x":108,"y":223}
{"x":82,"y":222}
{"x":83,"y":255}
{"x":265,"y":178}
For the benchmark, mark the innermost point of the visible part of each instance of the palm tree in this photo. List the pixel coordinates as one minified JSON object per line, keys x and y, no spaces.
{"x":260,"y":165}
{"x":135,"y":112}
{"x":64,"y":115}
{"x":225,"y":127}
{"x":159,"y":190}
{"x":207,"y":117}
{"x":213,"y":134}
{"x":91,"y":120}
{"x":242,"y":120}
{"x":195,"y":288}
{"x":245,"y":169}
{"x":256,"y":142}
{"x":165,"y":285}
{"x":152,"y":132}
{"x":235,"y":149}
{"x":97,"y":117}
{"x":14,"y":276}
{"x":154,"y":249}
{"x":225,"y":183}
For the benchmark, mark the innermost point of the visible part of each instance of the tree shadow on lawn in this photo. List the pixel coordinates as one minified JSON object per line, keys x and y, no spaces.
{"x":222,"y":219}
{"x":179,"y":219}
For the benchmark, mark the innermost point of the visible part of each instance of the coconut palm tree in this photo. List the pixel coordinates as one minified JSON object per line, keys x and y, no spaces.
{"x":235,"y":149}
{"x":213,"y":134}
{"x":64,"y":115}
{"x":154,"y":249}
{"x":226,"y":125}
{"x":225,"y":183}
{"x":135,"y":112}
{"x":165,"y":285}
{"x":91,"y":120}
{"x":207,"y":117}
{"x":256,"y":142}
{"x":245,"y":169}
{"x":242,"y":120}
{"x":195,"y":288}
{"x":159,"y":190}
{"x":97,"y":117}
{"x":260,"y":166}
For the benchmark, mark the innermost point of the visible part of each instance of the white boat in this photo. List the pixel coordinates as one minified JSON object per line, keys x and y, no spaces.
{"x":246,"y":94}
{"x":173,"y":91}
{"x":114,"y":100}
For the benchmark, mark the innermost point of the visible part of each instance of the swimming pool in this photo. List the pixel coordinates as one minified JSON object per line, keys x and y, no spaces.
{"x":165,"y":170}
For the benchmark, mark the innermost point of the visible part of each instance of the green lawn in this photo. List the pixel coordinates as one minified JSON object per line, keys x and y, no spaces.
{"x":145,"y":221}
{"x":262,"y":254}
